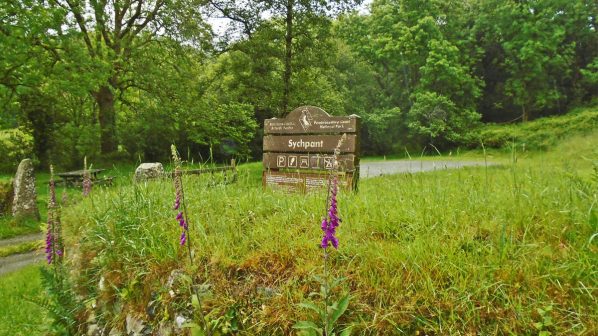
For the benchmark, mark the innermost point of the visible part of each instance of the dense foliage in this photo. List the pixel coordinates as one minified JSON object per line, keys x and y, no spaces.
{"x":123,"y":79}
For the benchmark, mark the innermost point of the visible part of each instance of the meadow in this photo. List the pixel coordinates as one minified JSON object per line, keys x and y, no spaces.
{"x":505,"y":249}
{"x":494,"y":250}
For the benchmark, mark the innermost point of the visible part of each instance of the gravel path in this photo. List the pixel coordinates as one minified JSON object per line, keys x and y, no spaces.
{"x":373,"y":169}
{"x":18,"y":261}
{"x":21,"y":239}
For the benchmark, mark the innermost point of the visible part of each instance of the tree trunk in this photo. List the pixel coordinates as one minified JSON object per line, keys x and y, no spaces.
{"x":288,"y":57}
{"x":524,"y":114}
{"x":107,"y":117}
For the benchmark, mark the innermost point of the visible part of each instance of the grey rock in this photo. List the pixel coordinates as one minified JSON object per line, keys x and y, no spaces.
{"x":147,"y":171}
{"x":180,"y":321}
{"x":134,"y":326}
{"x":165,"y":330}
{"x":93,"y":330}
{"x":25,"y":196}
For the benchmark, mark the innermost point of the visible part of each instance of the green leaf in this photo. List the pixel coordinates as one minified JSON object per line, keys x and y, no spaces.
{"x":544,"y":333}
{"x":309,"y":305}
{"x":339,"y":311}
{"x":195,"y":301}
{"x":538,"y":325}
{"x":346,"y":332}
{"x":195,"y":329}
{"x":307,"y":325}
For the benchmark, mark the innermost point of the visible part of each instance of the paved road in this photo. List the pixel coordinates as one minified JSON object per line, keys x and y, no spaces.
{"x":17,"y":261}
{"x":378,"y":168}
{"x":21,"y":239}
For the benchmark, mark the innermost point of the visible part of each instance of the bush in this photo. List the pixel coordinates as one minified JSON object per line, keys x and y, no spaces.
{"x":437,"y":118}
{"x":15,"y":145}
{"x":6,"y":197}
{"x":541,"y":134}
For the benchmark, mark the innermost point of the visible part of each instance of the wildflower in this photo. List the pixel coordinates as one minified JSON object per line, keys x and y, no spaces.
{"x":49,"y":252}
{"x":53,"y":234}
{"x":183,"y":218}
{"x":65,"y":197}
{"x":331,"y":221}
{"x":178,"y":189}
{"x":86,"y":178}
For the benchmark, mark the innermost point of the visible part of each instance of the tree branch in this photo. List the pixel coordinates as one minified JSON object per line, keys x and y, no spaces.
{"x":75,"y":9}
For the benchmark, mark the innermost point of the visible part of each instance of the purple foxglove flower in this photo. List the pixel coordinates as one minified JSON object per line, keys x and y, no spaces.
{"x":183,"y":237}
{"x":330,"y":224}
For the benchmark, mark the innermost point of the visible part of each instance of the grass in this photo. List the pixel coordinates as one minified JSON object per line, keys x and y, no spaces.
{"x":543,"y":133}
{"x":11,"y":228}
{"x":20,"y":248}
{"x":469,"y":251}
{"x":19,"y":316}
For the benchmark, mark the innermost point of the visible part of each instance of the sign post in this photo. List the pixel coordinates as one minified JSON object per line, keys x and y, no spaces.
{"x":299,"y":150}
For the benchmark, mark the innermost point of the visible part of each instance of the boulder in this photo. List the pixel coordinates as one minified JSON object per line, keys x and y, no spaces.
{"x":6,"y":196}
{"x":25,"y":196}
{"x":147,"y":171}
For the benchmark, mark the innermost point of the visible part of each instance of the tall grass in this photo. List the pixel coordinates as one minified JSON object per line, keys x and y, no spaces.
{"x":18,"y":315}
{"x":469,"y":251}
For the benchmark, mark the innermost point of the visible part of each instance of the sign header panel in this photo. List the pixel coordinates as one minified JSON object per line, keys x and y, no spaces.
{"x":311,"y":120}
{"x":309,"y":143}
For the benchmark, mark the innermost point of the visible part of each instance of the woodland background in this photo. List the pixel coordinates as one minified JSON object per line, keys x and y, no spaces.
{"x":120,"y":80}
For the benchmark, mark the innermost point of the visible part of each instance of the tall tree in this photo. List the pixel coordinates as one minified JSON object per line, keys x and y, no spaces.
{"x":297,"y":17}
{"x":113,"y":33}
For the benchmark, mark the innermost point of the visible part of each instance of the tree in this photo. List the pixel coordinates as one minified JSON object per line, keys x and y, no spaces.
{"x":113,"y":34}
{"x":425,"y":78}
{"x":299,"y":18}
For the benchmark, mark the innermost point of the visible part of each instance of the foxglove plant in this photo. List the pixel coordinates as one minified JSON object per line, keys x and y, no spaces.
{"x":86,"y":178}
{"x":182,"y":218}
{"x":331,"y":312}
{"x":54,"y":246}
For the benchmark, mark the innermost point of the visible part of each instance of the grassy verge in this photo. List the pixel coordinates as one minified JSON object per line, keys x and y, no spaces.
{"x":543,"y":133}
{"x":20,"y":248}
{"x":497,"y":250}
{"x":18,"y":316}
{"x":11,"y":228}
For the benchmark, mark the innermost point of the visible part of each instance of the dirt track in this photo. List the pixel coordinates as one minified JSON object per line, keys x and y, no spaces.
{"x":378,"y":168}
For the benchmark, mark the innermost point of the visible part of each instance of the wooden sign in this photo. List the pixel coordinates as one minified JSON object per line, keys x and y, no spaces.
{"x":304,"y":182}
{"x":309,"y":161}
{"x":311,"y":120}
{"x":309,"y":143}
{"x":299,"y":150}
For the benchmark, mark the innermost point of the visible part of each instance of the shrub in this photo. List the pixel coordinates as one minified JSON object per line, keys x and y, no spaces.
{"x":15,"y":145}
{"x":437,"y":118}
{"x":6,"y":197}
{"x":541,"y":134}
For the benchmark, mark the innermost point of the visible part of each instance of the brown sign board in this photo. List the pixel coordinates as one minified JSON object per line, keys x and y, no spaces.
{"x":299,"y":150}
{"x":303,"y":182}
{"x":309,"y":161}
{"x":311,"y":120}
{"x":309,"y":143}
